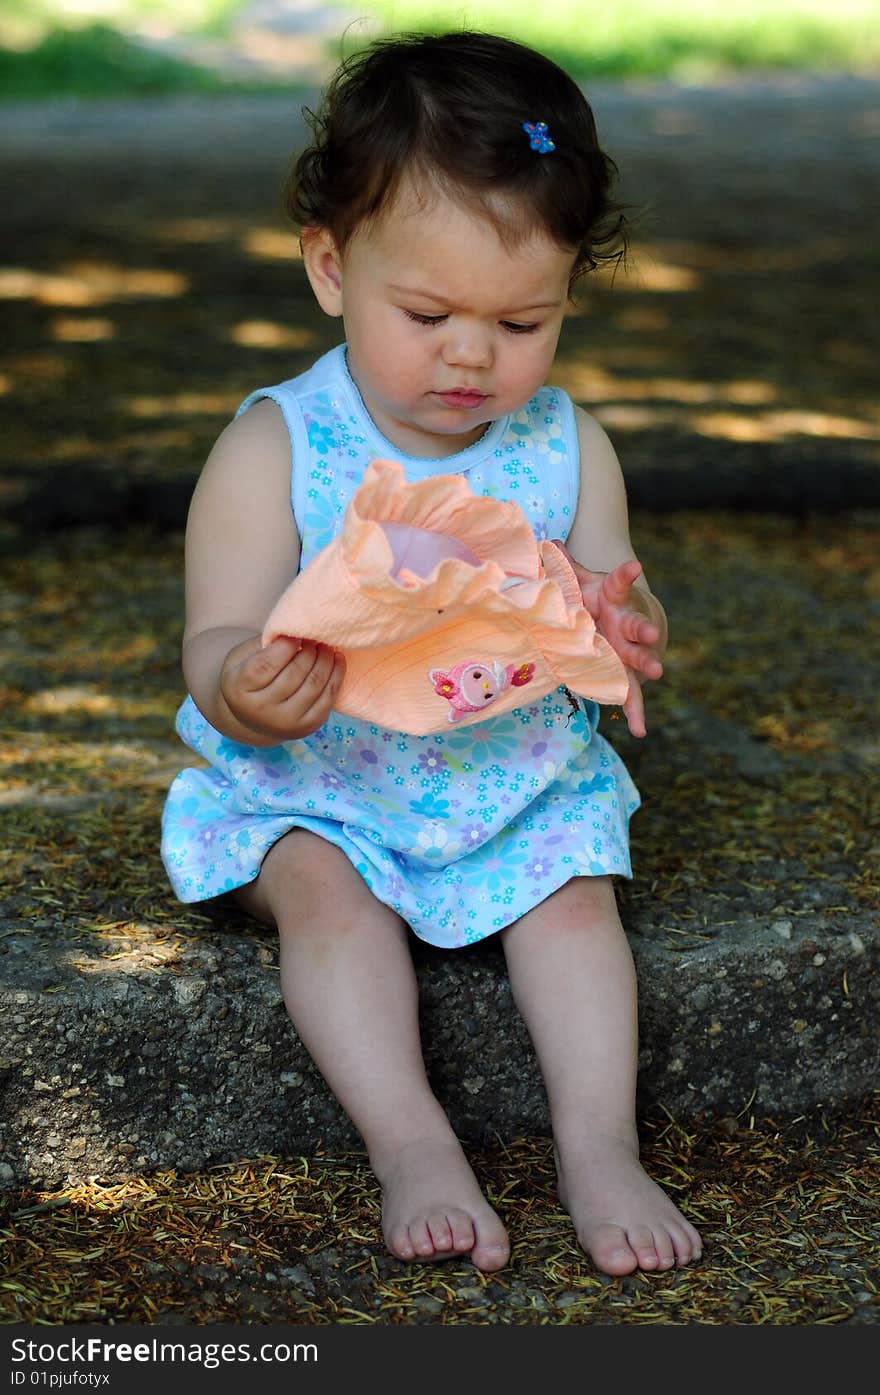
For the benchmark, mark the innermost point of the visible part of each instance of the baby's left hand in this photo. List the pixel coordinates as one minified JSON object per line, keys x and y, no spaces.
{"x":632,"y":636}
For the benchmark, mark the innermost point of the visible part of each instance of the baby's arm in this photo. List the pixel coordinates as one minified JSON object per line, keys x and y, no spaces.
{"x":242,"y":550}
{"x":613,"y":585}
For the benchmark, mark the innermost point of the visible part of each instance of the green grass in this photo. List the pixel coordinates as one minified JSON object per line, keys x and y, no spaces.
{"x":94,"y":62}
{"x":666,"y":38}
{"x":90,"y":48}
{"x":36,"y":18}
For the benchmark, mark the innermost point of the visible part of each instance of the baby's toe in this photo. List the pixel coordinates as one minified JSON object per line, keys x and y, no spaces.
{"x":491,"y":1248}
{"x":688,"y":1245}
{"x":641,"y":1240}
{"x":464,"y":1236}
{"x":440,"y":1231}
{"x":421,"y":1238}
{"x":400,"y":1243}
{"x":611,"y":1250}
{"x":664,"y":1246}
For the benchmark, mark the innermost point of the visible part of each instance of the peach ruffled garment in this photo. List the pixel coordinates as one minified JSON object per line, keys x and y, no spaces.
{"x":429,"y":580}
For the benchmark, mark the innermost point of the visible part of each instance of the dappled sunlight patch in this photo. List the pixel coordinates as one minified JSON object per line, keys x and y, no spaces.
{"x":643,"y":319}
{"x":105,"y":452}
{"x":197,"y":230}
{"x":40,"y":762}
{"x":268,"y":334}
{"x":795,"y":732}
{"x":106,"y":281}
{"x":90,"y":283}
{"x":90,"y":701}
{"x":17,"y":283}
{"x":779,"y":426}
{"x":156,"y":441}
{"x":633,"y":418}
{"x":272,"y":245}
{"x":42,"y":368}
{"x":53,"y":701}
{"x":638,"y":403}
{"x":733,"y":426}
{"x":70,"y":330}
{"x":650,"y":269}
{"x":749,"y":392}
{"x":18,"y":795}
{"x":59,"y":449}
{"x":806,"y":254}
{"x":181,"y":404}
{"x":807,"y":423}
{"x":144,"y":947}
{"x":12,"y":793}
{"x":588,"y":381}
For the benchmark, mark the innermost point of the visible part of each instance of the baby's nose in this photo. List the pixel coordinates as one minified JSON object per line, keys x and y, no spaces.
{"x":469,"y":346}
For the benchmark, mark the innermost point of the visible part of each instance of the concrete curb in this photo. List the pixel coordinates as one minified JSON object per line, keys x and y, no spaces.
{"x":113,"y":1067}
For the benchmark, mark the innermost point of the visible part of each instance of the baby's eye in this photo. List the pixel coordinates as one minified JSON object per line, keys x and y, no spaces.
{"x":514,"y":328}
{"x":424,"y":319}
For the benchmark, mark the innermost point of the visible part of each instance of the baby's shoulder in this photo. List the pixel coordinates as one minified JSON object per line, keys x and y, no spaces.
{"x":260,"y":426}
{"x":596,"y":450}
{"x":255,"y":442}
{"x":249,"y":462}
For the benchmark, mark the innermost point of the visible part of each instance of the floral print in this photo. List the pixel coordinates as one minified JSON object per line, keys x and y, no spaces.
{"x":460,"y":833}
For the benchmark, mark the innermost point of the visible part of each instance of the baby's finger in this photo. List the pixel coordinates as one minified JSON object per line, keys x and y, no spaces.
{"x":638,"y":629}
{"x":642,"y":661}
{"x":316,"y":714}
{"x":634,"y":708}
{"x":261,"y":668}
{"x":636,"y":656}
{"x":616,"y":585}
{"x":305,"y":676}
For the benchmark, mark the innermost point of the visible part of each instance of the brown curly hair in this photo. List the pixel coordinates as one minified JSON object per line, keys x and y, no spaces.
{"x":449,"y":109}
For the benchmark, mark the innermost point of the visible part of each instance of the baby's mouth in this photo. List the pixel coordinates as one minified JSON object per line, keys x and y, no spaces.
{"x":464,"y":398}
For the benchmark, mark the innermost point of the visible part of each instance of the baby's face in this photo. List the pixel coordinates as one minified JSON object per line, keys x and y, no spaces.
{"x":448,"y":329}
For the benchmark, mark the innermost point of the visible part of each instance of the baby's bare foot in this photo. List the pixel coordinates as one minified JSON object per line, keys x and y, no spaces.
{"x":623,"y":1220}
{"x":434,"y":1209}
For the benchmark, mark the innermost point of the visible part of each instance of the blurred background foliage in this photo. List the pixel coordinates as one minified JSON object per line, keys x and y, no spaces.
{"x":92,"y":48}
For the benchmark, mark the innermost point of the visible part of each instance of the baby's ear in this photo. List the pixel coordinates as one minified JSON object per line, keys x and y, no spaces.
{"x":323,"y":264}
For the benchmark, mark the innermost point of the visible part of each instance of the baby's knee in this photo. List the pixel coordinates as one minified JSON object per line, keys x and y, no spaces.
{"x":581,"y":903}
{"x":307,"y":881}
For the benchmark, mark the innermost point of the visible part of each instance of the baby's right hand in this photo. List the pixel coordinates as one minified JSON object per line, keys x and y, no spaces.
{"x":285,"y":690}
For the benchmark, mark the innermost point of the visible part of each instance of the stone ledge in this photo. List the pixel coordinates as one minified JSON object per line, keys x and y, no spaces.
{"x":114,"y":1066}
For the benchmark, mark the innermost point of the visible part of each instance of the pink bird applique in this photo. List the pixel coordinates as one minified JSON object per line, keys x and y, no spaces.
{"x":470,"y":686}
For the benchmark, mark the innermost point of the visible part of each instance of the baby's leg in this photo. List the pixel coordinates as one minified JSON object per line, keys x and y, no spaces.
{"x":573,"y":980}
{"x":348,"y":982}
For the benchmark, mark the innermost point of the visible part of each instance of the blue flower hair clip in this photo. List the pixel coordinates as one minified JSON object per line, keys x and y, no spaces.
{"x":539,"y":136}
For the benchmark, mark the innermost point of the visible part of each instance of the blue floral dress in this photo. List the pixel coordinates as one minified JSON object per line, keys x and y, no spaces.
{"x":459,"y":833}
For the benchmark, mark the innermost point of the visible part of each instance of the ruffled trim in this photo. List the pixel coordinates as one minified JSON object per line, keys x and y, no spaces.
{"x":348,"y":597}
